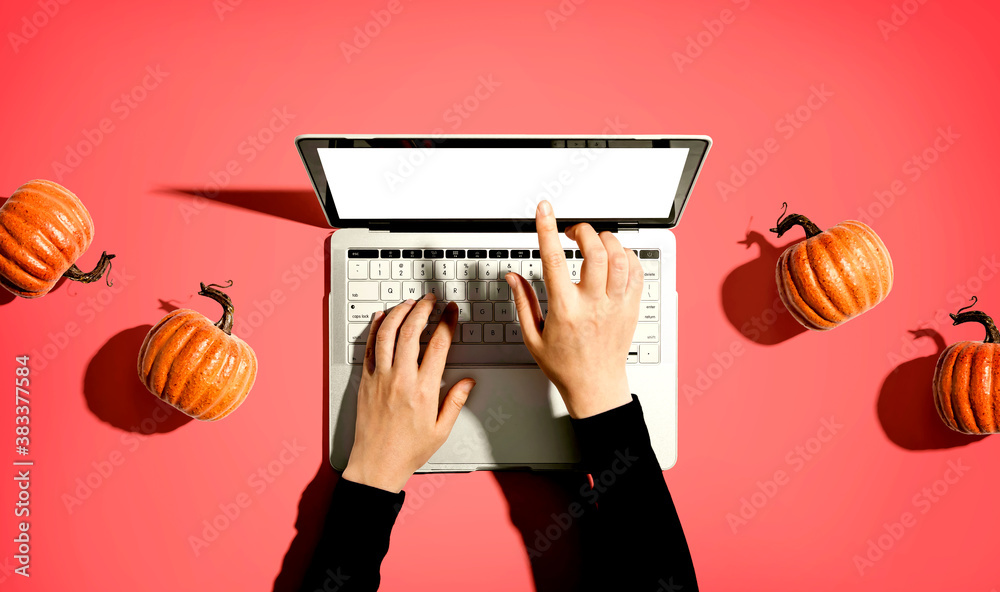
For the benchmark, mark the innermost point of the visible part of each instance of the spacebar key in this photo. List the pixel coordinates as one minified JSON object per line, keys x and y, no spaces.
{"x":489,"y":355}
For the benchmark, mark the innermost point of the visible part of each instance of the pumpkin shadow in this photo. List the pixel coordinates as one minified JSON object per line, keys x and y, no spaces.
{"x":906,"y":408}
{"x":291,"y":204}
{"x":115,"y":394}
{"x":750,"y":296}
{"x":315,"y":499}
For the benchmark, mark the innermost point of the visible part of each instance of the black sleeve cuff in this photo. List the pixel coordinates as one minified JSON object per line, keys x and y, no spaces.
{"x":618,"y":433}
{"x":376,"y":504}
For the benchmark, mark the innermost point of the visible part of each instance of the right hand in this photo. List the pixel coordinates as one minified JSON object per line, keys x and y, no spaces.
{"x":589,"y":326}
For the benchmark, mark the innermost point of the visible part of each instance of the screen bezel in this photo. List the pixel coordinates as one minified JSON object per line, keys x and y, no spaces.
{"x":309,"y":145}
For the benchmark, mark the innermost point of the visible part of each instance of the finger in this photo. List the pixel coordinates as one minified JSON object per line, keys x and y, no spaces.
{"x":618,"y":264}
{"x":529,"y":313}
{"x":636,"y":276}
{"x":554,"y":271}
{"x":594,"y":272}
{"x":377,"y":319}
{"x":439,"y":344}
{"x":385,"y":340}
{"x":408,"y":345}
{"x":452,"y":405}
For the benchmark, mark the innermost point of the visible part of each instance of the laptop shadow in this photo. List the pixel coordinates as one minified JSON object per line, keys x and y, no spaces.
{"x":291,"y":204}
{"x":906,"y":409}
{"x":315,"y":499}
{"x":750,"y":296}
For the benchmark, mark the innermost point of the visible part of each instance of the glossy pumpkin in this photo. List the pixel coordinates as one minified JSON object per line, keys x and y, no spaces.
{"x":833,"y":275}
{"x":967,"y":380}
{"x":197,"y":366}
{"x":44,"y":229}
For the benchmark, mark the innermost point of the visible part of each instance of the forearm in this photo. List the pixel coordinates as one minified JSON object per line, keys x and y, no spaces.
{"x":355,"y":539}
{"x":642,"y":534}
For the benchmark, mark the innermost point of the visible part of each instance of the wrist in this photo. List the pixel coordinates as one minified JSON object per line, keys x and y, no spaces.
{"x":596,"y":398}
{"x":379,"y":479}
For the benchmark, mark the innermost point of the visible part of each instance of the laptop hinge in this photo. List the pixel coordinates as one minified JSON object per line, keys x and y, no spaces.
{"x":628,"y":226}
{"x":378,"y":227}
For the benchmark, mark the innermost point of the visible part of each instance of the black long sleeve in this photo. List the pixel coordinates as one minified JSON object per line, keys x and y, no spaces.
{"x":641,"y":545}
{"x":355,"y":539}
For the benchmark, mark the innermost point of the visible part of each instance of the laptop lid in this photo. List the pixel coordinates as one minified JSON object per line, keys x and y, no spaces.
{"x":493,"y":183}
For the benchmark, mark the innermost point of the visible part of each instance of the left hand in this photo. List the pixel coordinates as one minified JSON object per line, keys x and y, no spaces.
{"x":399,"y":424}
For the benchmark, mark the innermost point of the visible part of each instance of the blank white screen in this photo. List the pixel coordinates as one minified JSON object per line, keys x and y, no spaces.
{"x":502,"y":183}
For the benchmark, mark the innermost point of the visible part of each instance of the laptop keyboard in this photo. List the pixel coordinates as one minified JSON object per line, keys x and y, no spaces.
{"x":488,"y":330}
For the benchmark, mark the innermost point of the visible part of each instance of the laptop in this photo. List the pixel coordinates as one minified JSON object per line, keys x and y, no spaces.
{"x":452,"y":215}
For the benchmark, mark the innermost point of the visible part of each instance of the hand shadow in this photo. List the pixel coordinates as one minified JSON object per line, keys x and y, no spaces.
{"x":115,"y":394}
{"x":750,"y":296}
{"x":315,"y":500}
{"x":906,"y":408}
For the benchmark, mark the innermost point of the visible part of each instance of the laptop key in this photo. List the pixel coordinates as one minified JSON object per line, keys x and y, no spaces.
{"x":499,"y":253}
{"x":649,"y":254}
{"x":357,"y":270}
{"x":390,"y":253}
{"x":362,"y":290}
{"x":361,"y":312}
{"x":362,"y":253}
{"x":477,"y":254}
{"x":433,"y":253}
{"x":519,"y":254}
{"x":412,"y":253}
{"x":455,"y":253}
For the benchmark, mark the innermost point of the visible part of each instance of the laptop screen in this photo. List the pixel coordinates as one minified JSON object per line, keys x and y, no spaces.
{"x":503,"y":179}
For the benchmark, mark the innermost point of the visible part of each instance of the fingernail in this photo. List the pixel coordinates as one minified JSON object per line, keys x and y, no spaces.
{"x":378,"y":315}
{"x":544,"y":207}
{"x":408,"y":301}
{"x":429,"y":296}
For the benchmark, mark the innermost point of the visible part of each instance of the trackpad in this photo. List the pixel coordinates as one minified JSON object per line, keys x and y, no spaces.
{"x":514,"y":416}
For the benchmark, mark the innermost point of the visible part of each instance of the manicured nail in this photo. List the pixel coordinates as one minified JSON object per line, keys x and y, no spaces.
{"x":378,"y":315}
{"x":408,"y":301}
{"x":544,"y":208}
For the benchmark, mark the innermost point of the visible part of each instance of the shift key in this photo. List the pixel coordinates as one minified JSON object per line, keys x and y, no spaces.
{"x":647,"y":333}
{"x":361,"y":312}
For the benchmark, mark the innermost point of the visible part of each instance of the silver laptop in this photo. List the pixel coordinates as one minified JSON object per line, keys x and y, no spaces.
{"x":451,"y":215}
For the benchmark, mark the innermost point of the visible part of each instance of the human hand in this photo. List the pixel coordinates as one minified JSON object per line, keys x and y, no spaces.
{"x":589,"y":326}
{"x":399,"y":424}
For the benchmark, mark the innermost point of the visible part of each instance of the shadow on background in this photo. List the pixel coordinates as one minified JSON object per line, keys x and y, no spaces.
{"x":290,"y":204}
{"x":540,"y":510}
{"x":750,"y":296}
{"x":6,"y":297}
{"x":115,"y":394}
{"x":906,"y":404}
{"x":315,"y":500}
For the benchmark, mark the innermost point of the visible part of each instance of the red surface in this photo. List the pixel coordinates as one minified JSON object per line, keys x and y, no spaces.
{"x":891,"y":93}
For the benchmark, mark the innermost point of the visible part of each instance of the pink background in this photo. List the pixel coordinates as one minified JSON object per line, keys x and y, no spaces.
{"x":605,"y":61}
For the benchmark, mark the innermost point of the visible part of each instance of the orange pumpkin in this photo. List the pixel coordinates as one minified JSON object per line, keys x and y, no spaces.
{"x":198,"y":367}
{"x":833,"y":275}
{"x":44,"y":229}
{"x":967,"y":379}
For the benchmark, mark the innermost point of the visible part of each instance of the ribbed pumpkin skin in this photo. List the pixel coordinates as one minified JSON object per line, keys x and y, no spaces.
{"x":44,"y":229}
{"x":193,"y":365}
{"x":967,"y":387}
{"x":832,"y":277}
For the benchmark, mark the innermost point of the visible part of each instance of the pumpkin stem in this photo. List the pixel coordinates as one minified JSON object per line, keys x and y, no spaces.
{"x":212,"y":291}
{"x":977,"y":316}
{"x":103,"y":265}
{"x":784,"y":225}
